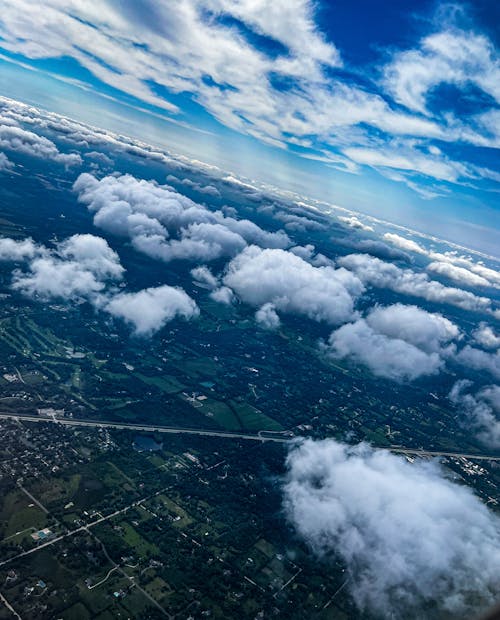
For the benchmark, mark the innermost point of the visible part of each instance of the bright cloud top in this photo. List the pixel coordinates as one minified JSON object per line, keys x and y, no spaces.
{"x":292,"y":285}
{"x":408,"y":535}
{"x":150,"y":309}
{"x":397,"y":342}
{"x":85,"y":268}
{"x":149,"y":214}
{"x":382,"y":274}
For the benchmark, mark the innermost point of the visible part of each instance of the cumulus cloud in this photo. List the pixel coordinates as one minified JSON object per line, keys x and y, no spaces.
{"x":461,"y":269}
{"x":150,"y":309}
{"x":15,"y":251}
{"x":491,"y":277}
{"x":415,"y":543}
{"x":481,"y":410}
{"x":397,"y":342}
{"x":223,"y":295}
{"x":267,"y":317}
{"x":404,"y":244}
{"x":209,"y":190}
{"x":13,"y":138}
{"x":84,"y":267}
{"x":204,"y":277}
{"x":480,"y":360}
{"x":298,"y":223}
{"x":486,"y":337}
{"x":5,"y":163}
{"x":458,"y":274}
{"x":165,"y":224}
{"x":79,"y":267}
{"x":426,"y":330}
{"x":381,"y":274}
{"x":293,"y":285}
{"x":354,"y":222}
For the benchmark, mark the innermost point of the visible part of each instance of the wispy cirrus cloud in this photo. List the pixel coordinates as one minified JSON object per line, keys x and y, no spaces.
{"x":267,"y":70}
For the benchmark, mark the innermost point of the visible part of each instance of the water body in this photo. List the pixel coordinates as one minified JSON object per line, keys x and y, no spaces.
{"x":143,"y":443}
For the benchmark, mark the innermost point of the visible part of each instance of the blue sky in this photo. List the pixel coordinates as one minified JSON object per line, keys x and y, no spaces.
{"x":390,"y":109}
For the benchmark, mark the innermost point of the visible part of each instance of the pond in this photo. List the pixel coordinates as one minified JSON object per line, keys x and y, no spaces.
{"x":143,"y":443}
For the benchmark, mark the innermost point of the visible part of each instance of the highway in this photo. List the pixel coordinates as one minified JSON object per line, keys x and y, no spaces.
{"x":147,"y":428}
{"x":261,"y":436}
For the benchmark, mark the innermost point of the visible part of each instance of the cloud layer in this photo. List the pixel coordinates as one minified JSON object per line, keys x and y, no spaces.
{"x":382,"y":274}
{"x":150,"y":214}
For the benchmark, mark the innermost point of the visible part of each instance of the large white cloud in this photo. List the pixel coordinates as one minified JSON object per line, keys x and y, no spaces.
{"x":381,"y":274}
{"x":150,"y":309}
{"x":150,"y":214}
{"x":79,"y":267}
{"x":426,"y":330}
{"x":293,"y":285}
{"x":415,"y":543}
{"x":482,"y":410}
{"x":397,"y":342}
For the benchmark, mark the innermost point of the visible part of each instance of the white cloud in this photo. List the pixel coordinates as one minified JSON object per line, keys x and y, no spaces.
{"x":79,"y":267}
{"x":381,"y":274}
{"x":404,"y":244}
{"x":407,"y":158}
{"x":267,"y":317}
{"x":396,"y":342}
{"x":203,"y":276}
{"x":490,"y":276}
{"x":5,"y":163}
{"x":458,"y":268}
{"x":149,"y":214}
{"x":150,"y":49}
{"x":481,"y":410}
{"x":480,"y":360}
{"x":486,"y":337}
{"x":12,"y":250}
{"x":452,"y":57}
{"x":293,"y":285}
{"x":223,"y":295}
{"x":426,"y":330}
{"x":19,"y":140}
{"x":92,"y":253}
{"x":354,"y":222}
{"x":410,"y":537}
{"x":458,"y":274}
{"x":150,"y":309}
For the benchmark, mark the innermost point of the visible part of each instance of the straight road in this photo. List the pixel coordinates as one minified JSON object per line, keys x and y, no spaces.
{"x":262,"y":436}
